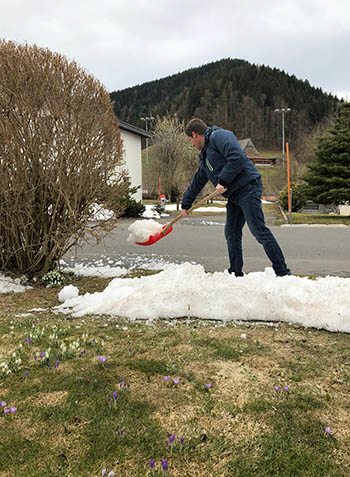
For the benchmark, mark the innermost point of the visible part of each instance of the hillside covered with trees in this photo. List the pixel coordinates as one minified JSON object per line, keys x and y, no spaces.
{"x":234,"y":94}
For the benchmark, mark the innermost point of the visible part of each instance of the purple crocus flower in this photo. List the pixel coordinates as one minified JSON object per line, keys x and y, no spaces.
{"x":2,"y":403}
{"x":152,"y":463}
{"x":208,"y":386}
{"x":166,"y":378}
{"x":111,"y":474}
{"x":276,"y":388}
{"x":42,"y":354}
{"x":26,"y":374}
{"x":181,"y":440}
{"x":164,"y":464}
{"x":104,"y":472}
{"x":13,"y":410}
{"x":115,"y":395}
{"x":328,"y":430}
{"x":6,"y":411}
{"x":102,"y":359}
{"x":176,"y":380}
{"x":286,"y":389}
{"x":172,"y":438}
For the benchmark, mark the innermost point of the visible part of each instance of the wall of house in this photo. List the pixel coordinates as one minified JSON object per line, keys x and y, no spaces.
{"x":132,"y":157}
{"x":344,"y":209}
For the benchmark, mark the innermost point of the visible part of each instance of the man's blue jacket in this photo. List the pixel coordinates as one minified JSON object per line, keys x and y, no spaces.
{"x":222,"y":160}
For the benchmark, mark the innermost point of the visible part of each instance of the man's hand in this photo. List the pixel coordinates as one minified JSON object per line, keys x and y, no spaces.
{"x":184,"y":213}
{"x":221,"y":189}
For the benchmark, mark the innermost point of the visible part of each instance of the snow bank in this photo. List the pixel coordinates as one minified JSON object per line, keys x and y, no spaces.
{"x":187,"y":291}
{"x":67,"y":293}
{"x":8,"y":285}
{"x":141,"y":230}
{"x":106,"y":271}
{"x":151,"y":213}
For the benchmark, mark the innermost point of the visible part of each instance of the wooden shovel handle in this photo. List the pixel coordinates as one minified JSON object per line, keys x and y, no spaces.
{"x":194,"y":206}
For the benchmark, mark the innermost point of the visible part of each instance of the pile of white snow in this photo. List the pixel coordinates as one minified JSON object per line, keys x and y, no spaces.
{"x":102,"y":271}
{"x":140,"y":230}
{"x":68,"y":293}
{"x":100,"y":213}
{"x":150,"y":213}
{"x":186,"y":290}
{"x":8,"y":285}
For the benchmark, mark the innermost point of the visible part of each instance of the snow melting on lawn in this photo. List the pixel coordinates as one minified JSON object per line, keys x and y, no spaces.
{"x":8,"y":285}
{"x":186,"y":290}
{"x":111,"y":268}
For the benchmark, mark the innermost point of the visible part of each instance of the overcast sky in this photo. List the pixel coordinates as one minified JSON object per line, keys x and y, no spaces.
{"x":125,"y":43}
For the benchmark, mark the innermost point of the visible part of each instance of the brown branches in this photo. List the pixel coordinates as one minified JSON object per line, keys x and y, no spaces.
{"x":59,"y":148}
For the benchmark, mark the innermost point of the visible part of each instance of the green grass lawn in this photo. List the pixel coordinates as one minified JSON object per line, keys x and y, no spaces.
{"x":326,"y":219}
{"x":302,"y":218}
{"x":249,"y":401}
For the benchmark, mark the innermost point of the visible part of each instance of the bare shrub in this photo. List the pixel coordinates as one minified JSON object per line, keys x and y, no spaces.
{"x":175,"y":160}
{"x":60,"y":157}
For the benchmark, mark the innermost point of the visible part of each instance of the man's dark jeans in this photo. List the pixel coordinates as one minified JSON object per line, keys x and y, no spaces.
{"x":245,"y":206}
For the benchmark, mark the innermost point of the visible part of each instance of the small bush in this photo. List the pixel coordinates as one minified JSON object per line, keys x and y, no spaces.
{"x":53,"y":279}
{"x":59,"y":147}
{"x":158,"y":209}
{"x":132,"y":207}
{"x":297,"y":195}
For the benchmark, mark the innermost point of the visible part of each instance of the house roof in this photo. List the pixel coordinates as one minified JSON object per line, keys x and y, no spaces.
{"x":248,"y":146}
{"x":133,"y":129}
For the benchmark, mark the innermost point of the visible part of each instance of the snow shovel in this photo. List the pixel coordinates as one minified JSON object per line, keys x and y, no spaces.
{"x":168,"y":227}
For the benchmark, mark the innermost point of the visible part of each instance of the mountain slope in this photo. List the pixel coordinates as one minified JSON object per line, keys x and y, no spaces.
{"x":234,"y":94}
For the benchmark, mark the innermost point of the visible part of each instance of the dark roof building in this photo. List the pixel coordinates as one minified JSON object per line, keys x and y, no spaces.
{"x":253,"y":153}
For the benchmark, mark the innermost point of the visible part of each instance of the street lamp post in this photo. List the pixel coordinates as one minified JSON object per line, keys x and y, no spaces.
{"x":147,"y":119}
{"x":283,"y":111}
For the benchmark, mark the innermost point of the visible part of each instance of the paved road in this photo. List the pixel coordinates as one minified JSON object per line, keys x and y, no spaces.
{"x":321,"y":250}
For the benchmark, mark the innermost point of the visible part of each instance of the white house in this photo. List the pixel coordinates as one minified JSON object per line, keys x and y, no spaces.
{"x":132,"y":147}
{"x":344,"y":209}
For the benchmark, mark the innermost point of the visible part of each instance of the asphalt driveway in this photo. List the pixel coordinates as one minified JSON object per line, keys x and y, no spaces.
{"x":320,"y":250}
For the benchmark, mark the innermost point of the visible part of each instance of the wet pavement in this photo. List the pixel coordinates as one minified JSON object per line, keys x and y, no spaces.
{"x":320,"y":250}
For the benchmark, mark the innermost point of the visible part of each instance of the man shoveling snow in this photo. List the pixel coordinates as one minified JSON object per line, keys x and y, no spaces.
{"x":223,"y":163}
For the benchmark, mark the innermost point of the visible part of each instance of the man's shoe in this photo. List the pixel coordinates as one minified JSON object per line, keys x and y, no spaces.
{"x":284,"y":274}
{"x":237,"y":274}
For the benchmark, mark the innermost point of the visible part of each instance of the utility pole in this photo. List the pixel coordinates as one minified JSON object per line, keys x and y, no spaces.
{"x":283,"y":111}
{"x":147,"y":119}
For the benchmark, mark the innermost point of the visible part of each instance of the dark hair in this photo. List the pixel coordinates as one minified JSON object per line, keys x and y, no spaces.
{"x":197,"y":126}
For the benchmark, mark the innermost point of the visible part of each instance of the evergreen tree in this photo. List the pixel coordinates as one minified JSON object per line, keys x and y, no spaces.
{"x":328,"y":177}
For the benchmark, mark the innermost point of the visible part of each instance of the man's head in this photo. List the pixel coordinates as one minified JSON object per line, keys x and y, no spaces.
{"x":195,"y":130}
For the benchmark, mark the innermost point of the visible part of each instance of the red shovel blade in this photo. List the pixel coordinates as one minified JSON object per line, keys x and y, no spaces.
{"x":154,"y":238}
